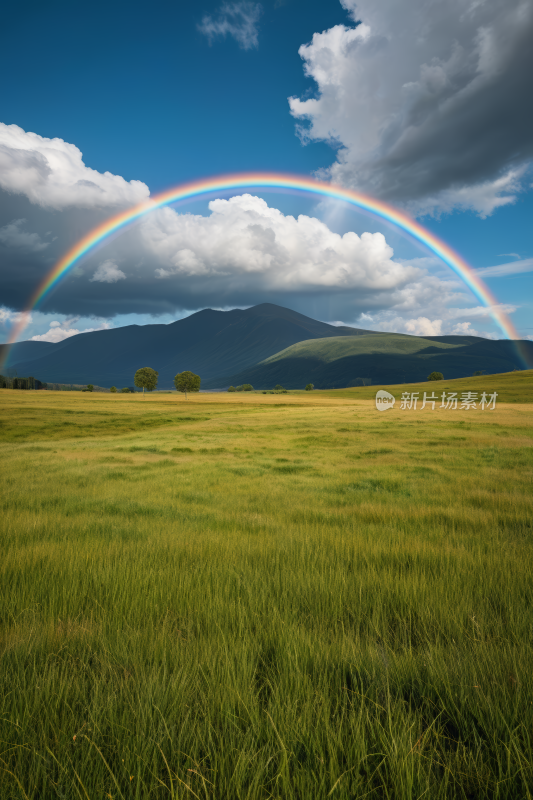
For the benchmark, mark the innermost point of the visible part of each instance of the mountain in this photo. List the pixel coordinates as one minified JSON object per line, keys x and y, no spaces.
{"x":263,"y":345}
{"x":28,"y":351}
{"x":209,"y":343}
{"x":384,"y":358}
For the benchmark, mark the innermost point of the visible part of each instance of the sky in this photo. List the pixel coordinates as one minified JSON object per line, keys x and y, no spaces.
{"x":420,"y":104}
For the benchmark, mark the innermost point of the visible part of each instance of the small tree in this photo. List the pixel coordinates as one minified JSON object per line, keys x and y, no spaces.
{"x":309,"y":387}
{"x":125,"y":390}
{"x":187,"y":382}
{"x":113,"y":389}
{"x":239,"y":388}
{"x":90,"y":387}
{"x":247,"y":387}
{"x":232,"y":389}
{"x":146,"y":378}
{"x":478,"y":373}
{"x":278,"y":387}
{"x":436,"y":376}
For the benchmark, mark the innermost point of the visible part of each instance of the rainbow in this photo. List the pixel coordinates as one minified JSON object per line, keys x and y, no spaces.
{"x":259,"y":180}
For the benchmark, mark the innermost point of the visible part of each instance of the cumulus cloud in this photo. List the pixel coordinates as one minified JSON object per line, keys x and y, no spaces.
{"x":51,"y":173}
{"x":424,"y":326}
{"x":238,"y":20}
{"x":59,"y":331}
{"x":12,"y":235}
{"x":108,"y":272}
{"x":465,"y":329}
{"x":425,"y":101}
{"x":244,"y":239}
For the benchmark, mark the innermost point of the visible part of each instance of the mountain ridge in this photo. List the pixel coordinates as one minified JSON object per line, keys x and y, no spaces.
{"x":207,"y":342}
{"x":263,"y":345}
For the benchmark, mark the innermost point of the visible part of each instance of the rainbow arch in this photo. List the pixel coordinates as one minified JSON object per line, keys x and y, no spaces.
{"x":257,"y":180}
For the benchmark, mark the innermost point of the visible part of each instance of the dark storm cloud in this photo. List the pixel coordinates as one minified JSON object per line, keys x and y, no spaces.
{"x":429,"y":102}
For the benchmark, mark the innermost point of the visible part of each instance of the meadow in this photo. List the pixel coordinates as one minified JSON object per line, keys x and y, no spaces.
{"x":266,"y":596}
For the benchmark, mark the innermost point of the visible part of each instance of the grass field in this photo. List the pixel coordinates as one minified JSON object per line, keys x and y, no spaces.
{"x":266,"y":596}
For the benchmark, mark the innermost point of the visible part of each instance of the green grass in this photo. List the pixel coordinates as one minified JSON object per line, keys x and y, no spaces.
{"x":331,"y":349}
{"x":232,"y":598}
{"x":511,"y":387}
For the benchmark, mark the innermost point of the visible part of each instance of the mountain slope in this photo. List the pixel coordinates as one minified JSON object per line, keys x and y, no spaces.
{"x":340,"y":347}
{"x":385,"y":358}
{"x":208,"y":343}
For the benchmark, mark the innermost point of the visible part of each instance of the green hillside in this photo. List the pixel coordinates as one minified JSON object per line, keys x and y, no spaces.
{"x":384,"y":358}
{"x":340,"y":347}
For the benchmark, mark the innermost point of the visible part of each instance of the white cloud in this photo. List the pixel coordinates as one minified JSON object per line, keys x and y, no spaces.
{"x":55,"y":335}
{"x":483,"y":312}
{"x":464,"y":329}
{"x":238,"y":20}
{"x":12,"y":235}
{"x":108,"y":272}
{"x":10,"y":317}
{"x":512,"y":268}
{"x":51,"y":173}
{"x":425,"y":101}
{"x":59,"y":331}
{"x":246,"y":240}
{"x":387,"y":319}
{"x":424,"y":326}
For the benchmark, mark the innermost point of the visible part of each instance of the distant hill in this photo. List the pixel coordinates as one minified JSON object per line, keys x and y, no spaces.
{"x":209,"y":343}
{"x":387,"y":358}
{"x":263,"y":345}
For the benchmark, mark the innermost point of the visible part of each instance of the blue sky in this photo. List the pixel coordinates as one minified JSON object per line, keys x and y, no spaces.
{"x":160,"y":94}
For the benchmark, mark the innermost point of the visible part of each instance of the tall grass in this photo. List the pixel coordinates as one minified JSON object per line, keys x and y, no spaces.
{"x":256,"y":600}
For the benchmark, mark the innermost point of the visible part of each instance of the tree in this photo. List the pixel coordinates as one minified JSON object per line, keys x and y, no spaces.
{"x":125,"y":390}
{"x":232,"y":389}
{"x":247,"y":387}
{"x":436,"y":376}
{"x":478,"y":373}
{"x":187,"y":382}
{"x":113,"y":389}
{"x":146,"y":378}
{"x":278,"y":387}
{"x":309,"y":387}
{"x":90,"y":387}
